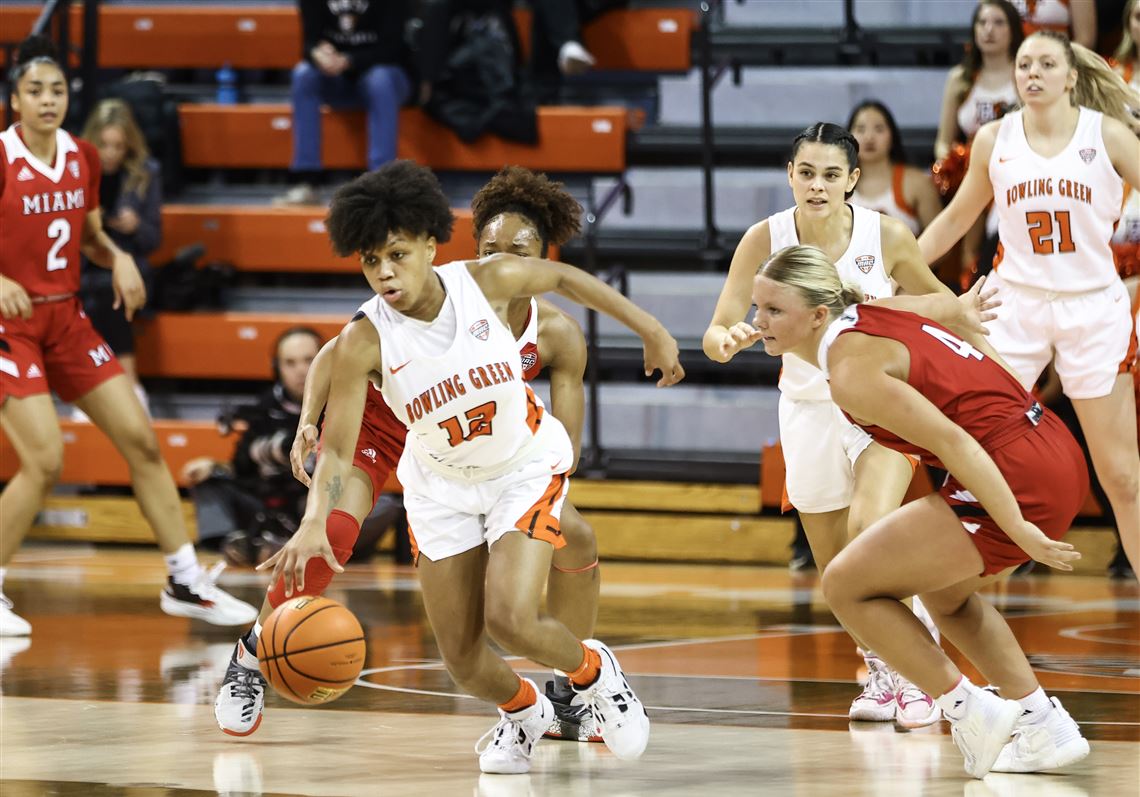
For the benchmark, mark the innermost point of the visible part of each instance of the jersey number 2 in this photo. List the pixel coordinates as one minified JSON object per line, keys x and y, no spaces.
{"x":956,"y":345}
{"x":60,"y":232}
{"x":1041,"y":232}
{"x":478,"y":424}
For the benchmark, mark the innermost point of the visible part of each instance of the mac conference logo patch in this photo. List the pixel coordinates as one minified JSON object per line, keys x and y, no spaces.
{"x":865,"y":263}
{"x":480,"y":329}
{"x":1087,"y":154}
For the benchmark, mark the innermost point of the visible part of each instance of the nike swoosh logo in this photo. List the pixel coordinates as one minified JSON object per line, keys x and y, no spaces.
{"x":1003,"y":160}
{"x":398,"y":368}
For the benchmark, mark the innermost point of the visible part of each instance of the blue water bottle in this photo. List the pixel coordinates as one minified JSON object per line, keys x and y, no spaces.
{"x":227,"y":85}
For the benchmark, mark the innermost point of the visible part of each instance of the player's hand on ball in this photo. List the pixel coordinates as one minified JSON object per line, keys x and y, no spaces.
{"x":14,"y":301}
{"x":662,"y":354}
{"x":310,"y":542}
{"x":304,"y":444}
{"x":1055,"y":553}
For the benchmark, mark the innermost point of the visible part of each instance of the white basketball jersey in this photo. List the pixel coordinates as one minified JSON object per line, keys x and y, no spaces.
{"x":1055,"y":215}
{"x":468,"y":406}
{"x":861,"y":264}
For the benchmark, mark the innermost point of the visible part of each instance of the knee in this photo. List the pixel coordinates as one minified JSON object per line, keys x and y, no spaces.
{"x":581,"y":547}
{"x":140,"y":446}
{"x":45,"y":466}
{"x":1121,"y":481}
{"x":305,"y":78}
{"x":381,"y":83}
{"x":510,"y":625}
{"x":839,"y":582}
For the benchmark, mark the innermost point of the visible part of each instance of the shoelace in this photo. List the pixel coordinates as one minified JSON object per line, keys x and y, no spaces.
{"x":498,"y":735}
{"x":909,"y":693}
{"x":246,"y":684}
{"x":5,"y":602}
{"x":206,"y":586}
{"x":879,"y":681}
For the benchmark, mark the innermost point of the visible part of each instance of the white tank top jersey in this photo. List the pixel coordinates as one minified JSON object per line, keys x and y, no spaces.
{"x":982,"y":105}
{"x":1055,"y":215}
{"x":891,"y":202}
{"x":467,"y":408}
{"x":861,"y":264}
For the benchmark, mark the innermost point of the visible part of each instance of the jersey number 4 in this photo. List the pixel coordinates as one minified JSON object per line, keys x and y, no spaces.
{"x":1041,"y":226}
{"x":60,"y":232}
{"x":956,"y":345}
{"x":478,"y":424}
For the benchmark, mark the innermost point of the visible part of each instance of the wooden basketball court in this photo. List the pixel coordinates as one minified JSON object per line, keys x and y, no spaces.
{"x":746,"y":675}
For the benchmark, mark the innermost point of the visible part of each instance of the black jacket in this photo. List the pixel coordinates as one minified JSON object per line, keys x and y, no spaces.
{"x":261,"y":459}
{"x":368,"y":32}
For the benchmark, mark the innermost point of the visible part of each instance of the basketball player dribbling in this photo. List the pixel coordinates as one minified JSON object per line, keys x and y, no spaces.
{"x":1053,"y":170}
{"x":519,"y":212}
{"x":1017,"y":479}
{"x":838,"y":479}
{"x":50,"y":215}
{"x":484,"y":467}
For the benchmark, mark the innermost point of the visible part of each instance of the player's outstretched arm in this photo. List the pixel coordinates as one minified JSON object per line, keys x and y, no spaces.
{"x":972,"y":198}
{"x":727,"y":333}
{"x":313,"y":400}
{"x":567,"y":363}
{"x":862,"y":387}
{"x":355,"y":355}
{"x":504,"y":277}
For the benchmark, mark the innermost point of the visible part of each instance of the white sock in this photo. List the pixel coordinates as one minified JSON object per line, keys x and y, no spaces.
{"x":1036,"y":705}
{"x":953,"y":703}
{"x":183,"y":564}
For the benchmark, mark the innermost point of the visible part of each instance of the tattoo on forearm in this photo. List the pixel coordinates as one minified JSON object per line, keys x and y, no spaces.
{"x":334,"y":490}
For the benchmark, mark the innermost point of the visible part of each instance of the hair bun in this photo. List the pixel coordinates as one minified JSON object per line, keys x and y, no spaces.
{"x":36,"y":46}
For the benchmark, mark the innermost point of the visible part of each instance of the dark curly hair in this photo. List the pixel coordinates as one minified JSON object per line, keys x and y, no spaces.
{"x":33,"y":50}
{"x":547,"y":205}
{"x":400,"y":196}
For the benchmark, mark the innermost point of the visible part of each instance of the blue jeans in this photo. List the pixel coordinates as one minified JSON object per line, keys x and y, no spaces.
{"x":380,"y":89}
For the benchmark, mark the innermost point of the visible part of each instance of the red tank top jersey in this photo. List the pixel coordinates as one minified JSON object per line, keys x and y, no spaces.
{"x":43,"y":210}
{"x":969,"y":388}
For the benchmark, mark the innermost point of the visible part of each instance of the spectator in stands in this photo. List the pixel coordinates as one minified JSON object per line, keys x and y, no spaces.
{"x":253,"y":504}
{"x":130,"y":194}
{"x":355,"y":55}
{"x":1074,"y":18}
{"x":556,"y":37}
{"x":1126,"y":62}
{"x":978,"y":90}
{"x":886,"y":183}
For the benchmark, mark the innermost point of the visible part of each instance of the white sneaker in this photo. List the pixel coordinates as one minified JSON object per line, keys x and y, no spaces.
{"x":12,"y":624}
{"x":297,"y":196}
{"x":620,"y":716}
{"x":984,"y":730}
{"x":203,"y":600}
{"x":1049,"y":743}
{"x":510,"y":743}
{"x":241,"y":699}
{"x":877,"y":702}
{"x":913,"y":707}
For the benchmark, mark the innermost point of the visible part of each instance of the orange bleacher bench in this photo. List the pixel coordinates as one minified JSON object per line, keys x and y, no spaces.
{"x":571,"y":139}
{"x":90,"y":458}
{"x":269,"y":37}
{"x":280,"y":239}
{"x":219,"y":345}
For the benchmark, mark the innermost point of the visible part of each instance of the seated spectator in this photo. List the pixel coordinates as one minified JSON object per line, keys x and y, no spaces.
{"x":886,"y":183}
{"x":253,"y":504}
{"x":130,"y":194}
{"x":1075,"y":18}
{"x":354,"y":55}
{"x":556,"y":37}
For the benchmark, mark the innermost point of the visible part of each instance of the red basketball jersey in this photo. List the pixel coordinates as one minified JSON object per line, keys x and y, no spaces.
{"x":968,"y":387}
{"x":43,"y":210}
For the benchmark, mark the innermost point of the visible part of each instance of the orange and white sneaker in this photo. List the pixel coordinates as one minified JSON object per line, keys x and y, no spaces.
{"x":506,"y":749}
{"x":877,"y":703}
{"x":913,"y":707}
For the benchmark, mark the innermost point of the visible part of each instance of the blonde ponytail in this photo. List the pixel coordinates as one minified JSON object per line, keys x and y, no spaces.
{"x":813,"y":275}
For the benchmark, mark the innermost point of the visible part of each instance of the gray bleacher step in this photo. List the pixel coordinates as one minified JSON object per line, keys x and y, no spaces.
{"x":798,"y":96}
{"x":868,"y":13}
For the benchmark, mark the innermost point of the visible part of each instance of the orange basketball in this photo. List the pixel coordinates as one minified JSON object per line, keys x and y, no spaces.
{"x":311,"y":650}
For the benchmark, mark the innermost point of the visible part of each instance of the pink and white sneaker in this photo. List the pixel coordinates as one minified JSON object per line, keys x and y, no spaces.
{"x":878,"y":701}
{"x":913,"y":707}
